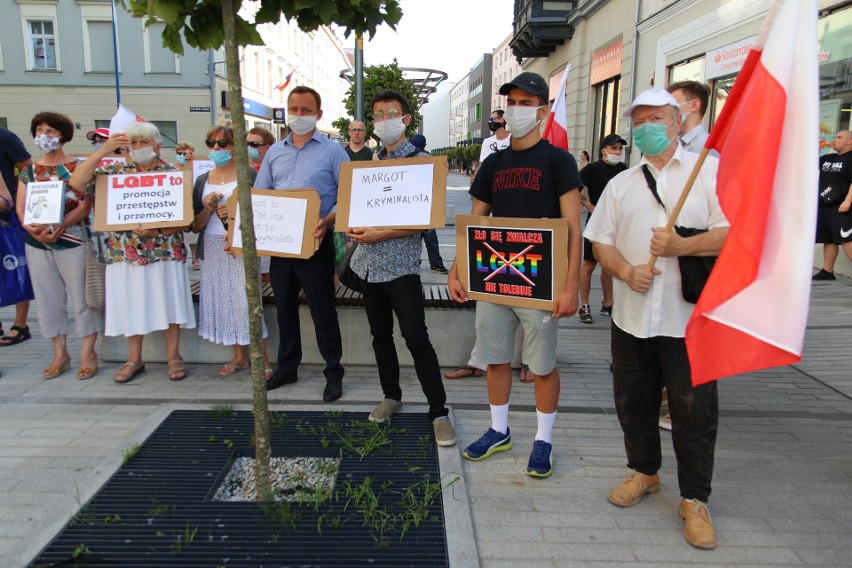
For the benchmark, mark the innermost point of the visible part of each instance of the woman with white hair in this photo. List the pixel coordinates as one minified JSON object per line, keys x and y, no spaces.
{"x":147,"y":285}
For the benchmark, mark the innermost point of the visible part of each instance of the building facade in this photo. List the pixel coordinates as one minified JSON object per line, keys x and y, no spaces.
{"x":479,"y":99}
{"x":504,"y":68}
{"x":459,"y":112}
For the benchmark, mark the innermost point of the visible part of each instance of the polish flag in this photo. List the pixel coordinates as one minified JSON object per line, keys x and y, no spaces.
{"x":286,"y":82}
{"x":556,"y":128}
{"x":123,"y":118}
{"x":754,"y":308}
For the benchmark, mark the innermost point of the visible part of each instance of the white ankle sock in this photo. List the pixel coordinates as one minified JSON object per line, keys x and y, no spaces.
{"x":545,"y":426}
{"x":500,"y":418}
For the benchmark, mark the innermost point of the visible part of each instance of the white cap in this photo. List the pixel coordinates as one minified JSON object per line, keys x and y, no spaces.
{"x":654,"y":98}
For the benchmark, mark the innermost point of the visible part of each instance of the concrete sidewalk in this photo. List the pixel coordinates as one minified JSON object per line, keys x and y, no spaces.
{"x":783,"y":475}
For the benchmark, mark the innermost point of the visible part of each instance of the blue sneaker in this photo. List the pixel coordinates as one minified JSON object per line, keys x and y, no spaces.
{"x":490,"y":443}
{"x":541,"y":460}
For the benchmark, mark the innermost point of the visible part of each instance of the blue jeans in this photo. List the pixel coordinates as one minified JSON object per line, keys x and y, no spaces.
{"x":404,"y":297}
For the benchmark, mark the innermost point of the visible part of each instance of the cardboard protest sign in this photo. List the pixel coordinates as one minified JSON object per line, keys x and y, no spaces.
{"x":198,"y":167}
{"x":284,"y":222}
{"x":45,"y":204}
{"x":407,"y":193}
{"x":155,"y":200}
{"x":512,"y":261}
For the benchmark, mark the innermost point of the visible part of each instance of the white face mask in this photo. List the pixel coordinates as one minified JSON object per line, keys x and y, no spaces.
{"x":613,"y":159}
{"x":390,"y":130}
{"x":302,"y":125}
{"x":143,"y":155}
{"x":521,"y":120}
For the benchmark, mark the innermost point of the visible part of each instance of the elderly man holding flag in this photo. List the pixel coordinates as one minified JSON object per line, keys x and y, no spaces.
{"x":752,"y":312}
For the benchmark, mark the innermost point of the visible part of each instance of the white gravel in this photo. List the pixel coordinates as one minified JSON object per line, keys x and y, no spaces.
{"x":298,"y":479}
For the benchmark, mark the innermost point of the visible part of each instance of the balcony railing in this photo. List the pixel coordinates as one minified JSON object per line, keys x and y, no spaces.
{"x":540,"y":26}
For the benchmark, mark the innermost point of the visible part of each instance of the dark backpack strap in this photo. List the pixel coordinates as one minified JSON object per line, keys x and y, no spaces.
{"x":652,"y":185}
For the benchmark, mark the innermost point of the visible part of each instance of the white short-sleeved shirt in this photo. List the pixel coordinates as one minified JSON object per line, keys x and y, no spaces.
{"x":491,"y":145}
{"x":624,"y":217}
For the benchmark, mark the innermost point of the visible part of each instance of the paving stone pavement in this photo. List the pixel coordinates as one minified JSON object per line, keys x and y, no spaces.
{"x":782,"y":483}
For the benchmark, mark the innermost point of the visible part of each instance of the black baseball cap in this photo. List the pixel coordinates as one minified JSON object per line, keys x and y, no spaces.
{"x":611,"y":139}
{"x":529,"y":83}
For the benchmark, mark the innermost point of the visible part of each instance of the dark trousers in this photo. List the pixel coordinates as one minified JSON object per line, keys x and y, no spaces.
{"x":404,"y":297}
{"x":641,"y":368}
{"x":315,"y":276}
{"x":430,"y":237}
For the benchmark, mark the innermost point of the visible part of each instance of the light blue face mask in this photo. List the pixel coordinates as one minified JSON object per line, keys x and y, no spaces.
{"x":253,"y":153}
{"x":651,"y":137}
{"x":219,"y":157}
{"x":181,"y":159}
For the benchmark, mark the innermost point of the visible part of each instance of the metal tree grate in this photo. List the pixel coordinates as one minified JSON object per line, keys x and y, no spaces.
{"x":385,"y":511}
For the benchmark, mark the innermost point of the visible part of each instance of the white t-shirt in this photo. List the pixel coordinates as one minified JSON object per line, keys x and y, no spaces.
{"x":491,"y":145}
{"x":623,"y":218}
{"x":214,"y":225}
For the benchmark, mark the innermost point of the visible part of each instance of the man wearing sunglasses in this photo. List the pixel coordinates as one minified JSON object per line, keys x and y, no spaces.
{"x":306,"y":158}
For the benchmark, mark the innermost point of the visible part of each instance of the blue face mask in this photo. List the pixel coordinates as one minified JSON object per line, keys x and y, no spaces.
{"x":651,"y":138}
{"x":253,"y":153}
{"x":219,"y":157}
{"x":181,"y":159}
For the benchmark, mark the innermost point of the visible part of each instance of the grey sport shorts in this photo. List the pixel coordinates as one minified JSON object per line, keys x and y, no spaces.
{"x":495,"y":336}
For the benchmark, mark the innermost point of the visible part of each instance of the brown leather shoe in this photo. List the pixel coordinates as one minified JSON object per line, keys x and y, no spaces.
{"x":698,"y":527}
{"x":633,"y":488}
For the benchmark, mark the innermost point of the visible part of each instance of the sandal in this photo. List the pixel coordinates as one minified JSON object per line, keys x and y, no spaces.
{"x":525,"y":376}
{"x":227,"y":370}
{"x":267,"y":374}
{"x":84,"y":373}
{"x":463,"y":372}
{"x":23,"y":333}
{"x":53,"y":372}
{"x":124,"y":377}
{"x":177,"y":370}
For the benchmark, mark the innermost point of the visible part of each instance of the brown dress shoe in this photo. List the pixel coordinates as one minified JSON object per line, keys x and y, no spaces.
{"x":633,"y":488}
{"x":698,"y":527}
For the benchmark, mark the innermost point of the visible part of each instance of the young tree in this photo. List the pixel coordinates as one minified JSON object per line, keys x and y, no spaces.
{"x":210,"y":24}
{"x":378,"y":78}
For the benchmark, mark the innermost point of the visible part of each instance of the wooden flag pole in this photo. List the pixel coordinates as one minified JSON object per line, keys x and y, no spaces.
{"x":679,"y":205}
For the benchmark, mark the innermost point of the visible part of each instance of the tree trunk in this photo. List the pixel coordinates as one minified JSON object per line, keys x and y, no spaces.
{"x":260,"y":407}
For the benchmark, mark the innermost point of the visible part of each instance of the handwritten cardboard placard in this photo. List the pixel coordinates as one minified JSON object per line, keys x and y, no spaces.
{"x":284,"y":222}
{"x":198,"y":167}
{"x":155,"y":200}
{"x":406,"y":193}
{"x":45,"y":203}
{"x":512,"y":261}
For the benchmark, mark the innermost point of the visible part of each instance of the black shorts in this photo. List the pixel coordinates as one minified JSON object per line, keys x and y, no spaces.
{"x":588,"y":252}
{"x":833,"y":226}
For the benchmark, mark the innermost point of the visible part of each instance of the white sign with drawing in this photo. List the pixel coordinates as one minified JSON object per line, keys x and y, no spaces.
{"x":201,"y":167}
{"x":279,"y":223}
{"x":391,"y":196}
{"x":45,"y":203}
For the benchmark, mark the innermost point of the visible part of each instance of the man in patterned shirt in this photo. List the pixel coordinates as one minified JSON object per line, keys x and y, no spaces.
{"x":387,"y":260}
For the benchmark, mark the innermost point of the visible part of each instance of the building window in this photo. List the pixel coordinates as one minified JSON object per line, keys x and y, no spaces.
{"x":477,"y":112}
{"x":42,"y":44}
{"x":168,"y":130}
{"x":158,"y":59}
{"x":606,"y":108}
{"x":99,"y":52}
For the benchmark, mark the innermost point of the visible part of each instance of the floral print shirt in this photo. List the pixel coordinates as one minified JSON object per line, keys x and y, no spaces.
{"x":72,"y":236}
{"x":127,"y":246}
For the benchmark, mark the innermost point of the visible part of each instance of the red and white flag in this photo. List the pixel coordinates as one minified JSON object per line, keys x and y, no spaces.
{"x":754,"y":308}
{"x":286,"y":82}
{"x":123,"y":118}
{"x":556,"y":128}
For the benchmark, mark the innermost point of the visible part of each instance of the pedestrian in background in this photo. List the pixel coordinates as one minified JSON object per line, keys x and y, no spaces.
{"x":430,"y":236}
{"x":147,"y":284}
{"x":387,"y":260}
{"x":56,"y":254}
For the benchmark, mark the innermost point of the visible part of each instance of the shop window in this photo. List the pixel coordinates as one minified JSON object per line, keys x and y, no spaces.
{"x":42,"y":44}
{"x":168,"y":130}
{"x":687,"y":71}
{"x":835,"y":75}
{"x":606,"y":109}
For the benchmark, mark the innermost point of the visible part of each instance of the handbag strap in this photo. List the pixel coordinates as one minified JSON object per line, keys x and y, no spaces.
{"x":652,"y":185}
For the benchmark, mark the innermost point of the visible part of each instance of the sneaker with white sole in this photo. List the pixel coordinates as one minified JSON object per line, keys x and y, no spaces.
{"x":541,"y":460}
{"x":445,"y":434}
{"x":385,"y":410}
{"x":605,"y":310}
{"x":490,"y":443}
{"x":584,"y":314}
{"x":666,"y":422}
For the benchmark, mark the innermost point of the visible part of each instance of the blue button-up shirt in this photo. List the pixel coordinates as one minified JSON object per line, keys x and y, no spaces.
{"x":315,"y":165}
{"x":392,"y":258}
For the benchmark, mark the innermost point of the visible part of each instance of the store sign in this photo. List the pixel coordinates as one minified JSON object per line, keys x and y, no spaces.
{"x":728,"y":59}
{"x":606,"y":63}
{"x":250,"y":107}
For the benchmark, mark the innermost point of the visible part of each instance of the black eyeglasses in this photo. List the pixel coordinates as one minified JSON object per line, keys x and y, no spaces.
{"x":220,"y":143}
{"x":255,"y":144}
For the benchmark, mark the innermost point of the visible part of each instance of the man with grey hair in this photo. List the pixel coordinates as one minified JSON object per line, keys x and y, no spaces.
{"x":650,"y":315}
